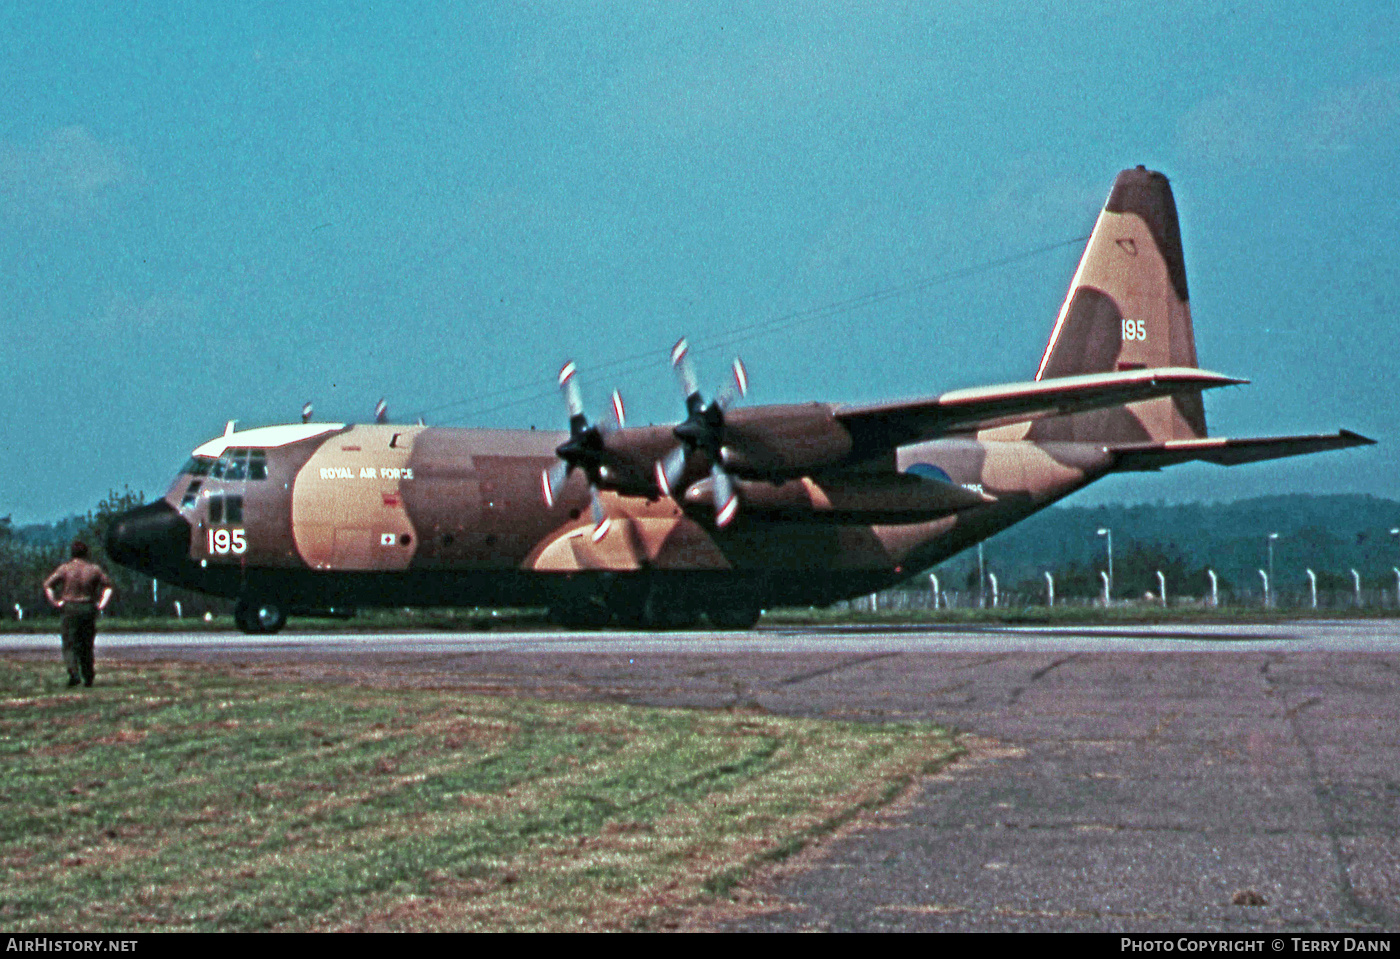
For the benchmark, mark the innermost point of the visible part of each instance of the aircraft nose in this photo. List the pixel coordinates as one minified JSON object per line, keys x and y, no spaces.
{"x":152,"y":538}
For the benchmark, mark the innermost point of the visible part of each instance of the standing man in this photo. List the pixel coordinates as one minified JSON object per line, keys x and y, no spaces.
{"x":85,"y":591}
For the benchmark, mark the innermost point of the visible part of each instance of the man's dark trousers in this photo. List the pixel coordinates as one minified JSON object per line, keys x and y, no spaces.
{"x":79,"y":625}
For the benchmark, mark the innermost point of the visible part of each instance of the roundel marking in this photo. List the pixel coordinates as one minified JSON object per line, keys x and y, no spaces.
{"x":929,"y":472}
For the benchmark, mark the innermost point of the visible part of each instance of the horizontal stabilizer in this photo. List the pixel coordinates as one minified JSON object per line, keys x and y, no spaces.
{"x":966,"y":411}
{"x":1231,"y":452}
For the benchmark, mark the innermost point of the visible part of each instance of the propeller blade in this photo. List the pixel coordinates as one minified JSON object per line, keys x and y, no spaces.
{"x":381,"y":411}
{"x":601,"y":523}
{"x":670,"y":469}
{"x":727,"y":396}
{"x":552,"y":480}
{"x":680,"y":362}
{"x":726,"y":498}
{"x":619,"y":420}
{"x":306,"y":411}
{"x":569,"y":387}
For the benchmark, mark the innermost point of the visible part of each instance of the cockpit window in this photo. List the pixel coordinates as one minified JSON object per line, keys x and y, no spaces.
{"x":241,"y":463}
{"x":198,"y":465}
{"x":191,"y":494}
{"x":237,"y":468}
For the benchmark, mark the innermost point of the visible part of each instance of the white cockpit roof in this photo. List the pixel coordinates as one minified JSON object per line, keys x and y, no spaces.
{"x":266,"y":437}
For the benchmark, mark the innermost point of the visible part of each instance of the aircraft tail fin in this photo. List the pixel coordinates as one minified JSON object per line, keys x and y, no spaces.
{"x":1127,"y":309}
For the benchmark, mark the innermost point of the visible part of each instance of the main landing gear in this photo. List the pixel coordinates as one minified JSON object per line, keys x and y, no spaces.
{"x":655,"y":608}
{"x":740,"y":615}
{"x":259,"y":617}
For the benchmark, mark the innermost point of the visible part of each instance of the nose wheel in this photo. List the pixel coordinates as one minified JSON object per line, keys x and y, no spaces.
{"x":259,"y":617}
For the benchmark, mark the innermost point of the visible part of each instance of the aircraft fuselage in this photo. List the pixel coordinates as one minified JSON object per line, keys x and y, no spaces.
{"x":321,"y":516}
{"x":731,"y":510}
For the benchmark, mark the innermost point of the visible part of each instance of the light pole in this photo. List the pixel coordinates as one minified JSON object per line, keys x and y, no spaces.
{"x":1162,"y":584}
{"x":1312,"y":587}
{"x":1394,"y":533}
{"x":981,"y":579}
{"x":1214,"y":589}
{"x":1265,"y":577}
{"x":1108,"y":583}
{"x":1272,"y":537}
{"x":1050,"y":590}
{"x":933,"y":585}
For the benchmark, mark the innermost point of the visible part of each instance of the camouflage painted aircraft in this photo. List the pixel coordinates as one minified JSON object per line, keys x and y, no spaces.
{"x":731,"y":511}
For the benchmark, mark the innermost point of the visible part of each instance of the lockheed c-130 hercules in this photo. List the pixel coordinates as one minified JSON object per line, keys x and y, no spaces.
{"x":732,"y":510}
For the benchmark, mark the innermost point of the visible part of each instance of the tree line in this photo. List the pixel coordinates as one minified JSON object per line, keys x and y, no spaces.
{"x":1332,"y":535}
{"x":28,"y":555}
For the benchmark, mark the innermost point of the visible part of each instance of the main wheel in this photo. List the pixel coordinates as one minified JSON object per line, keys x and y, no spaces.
{"x":580,"y":614}
{"x":242,"y":617}
{"x":736,"y":615}
{"x":259,"y":618}
{"x":668,"y":612}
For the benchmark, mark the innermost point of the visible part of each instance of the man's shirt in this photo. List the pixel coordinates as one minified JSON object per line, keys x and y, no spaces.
{"x":80,"y":582}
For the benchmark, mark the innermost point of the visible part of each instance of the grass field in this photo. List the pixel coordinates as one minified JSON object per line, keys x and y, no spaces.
{"x":181,"y":797}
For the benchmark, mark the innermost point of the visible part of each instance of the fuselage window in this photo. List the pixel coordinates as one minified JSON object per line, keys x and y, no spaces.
{"x":225,"y":508}
{"x":257,"y":465}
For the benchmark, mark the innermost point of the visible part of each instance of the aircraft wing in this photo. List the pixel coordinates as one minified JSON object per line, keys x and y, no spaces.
{"x":1231,"y":452}
{"x":887,"y":425}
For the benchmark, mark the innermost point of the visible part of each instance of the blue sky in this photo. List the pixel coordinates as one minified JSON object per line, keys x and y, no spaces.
{"x":209,"y":214}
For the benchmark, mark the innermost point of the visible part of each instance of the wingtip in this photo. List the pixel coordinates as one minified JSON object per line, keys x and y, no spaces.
{"x":1356,"y":439}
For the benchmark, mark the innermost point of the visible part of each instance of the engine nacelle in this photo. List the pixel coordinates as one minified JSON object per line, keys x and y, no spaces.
{"x":784,"y":442}
{"x":878,"y":499}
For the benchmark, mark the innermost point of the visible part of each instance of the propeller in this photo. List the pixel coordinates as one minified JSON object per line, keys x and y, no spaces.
{"x":702,"y":431}
{"x":583,"y":450}
{"x":381,"y":411}
{"x":306,"y":412}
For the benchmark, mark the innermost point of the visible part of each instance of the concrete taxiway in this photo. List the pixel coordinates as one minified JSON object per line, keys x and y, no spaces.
{"x":1154,"y":778}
